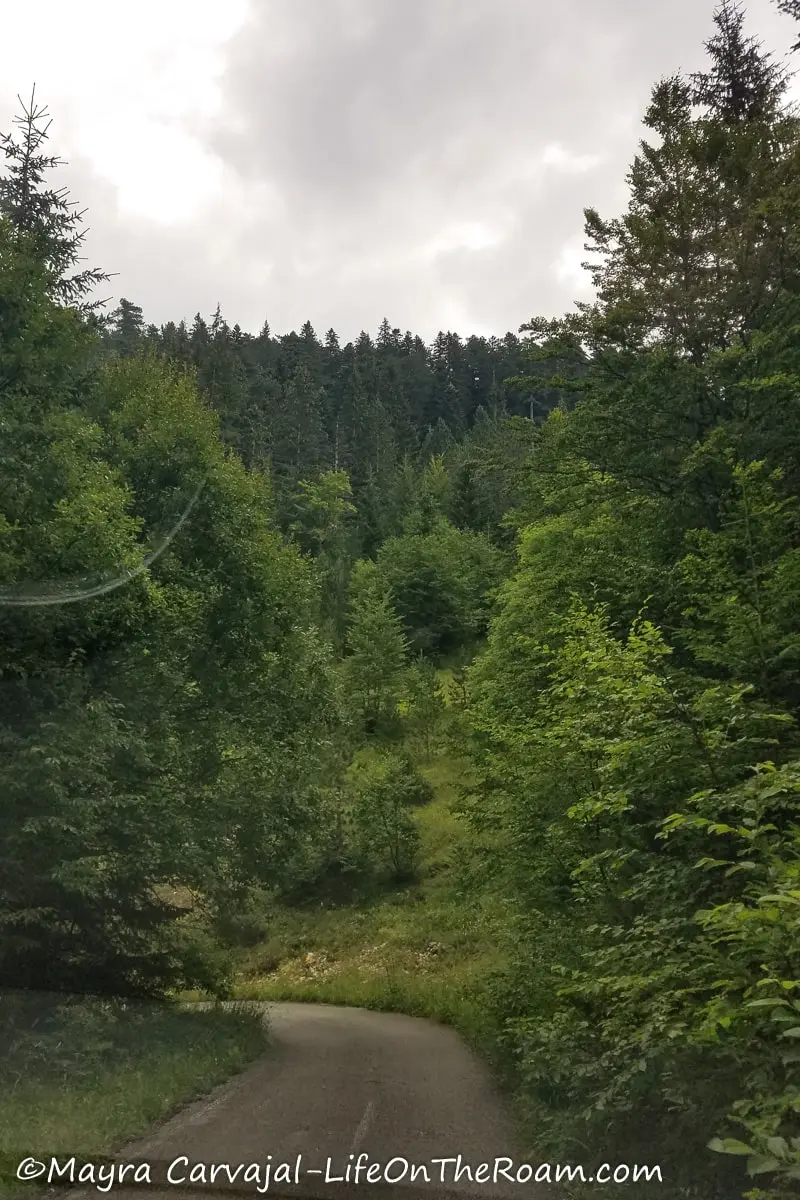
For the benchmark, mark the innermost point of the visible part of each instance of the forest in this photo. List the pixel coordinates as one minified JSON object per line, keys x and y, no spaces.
{"x":252,"y":585}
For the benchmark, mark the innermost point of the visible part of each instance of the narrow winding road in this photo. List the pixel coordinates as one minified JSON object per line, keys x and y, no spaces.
{"x":336,"y":1084}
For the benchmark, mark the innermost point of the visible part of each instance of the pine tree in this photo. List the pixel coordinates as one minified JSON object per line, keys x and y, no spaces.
{"x":174,"y":341}
{"x":464,"y":501}
{"x":308,"y":335}
{"x":696,"y":260}
{"x":127,"y":325}
{"x":301,"y":442}
{"x":377,"y":646}
{"x":364,"y":431}
{"x":403,"y":492}
{"x":374,"y":516}
{"x":432,"y":498}
{"x":46,"y":218}
{"x":199,"y":336}
{"x":395,"y":402}
{"x":743,"y":83}
{"x":438,"y":440}
{"x":388,"y":339}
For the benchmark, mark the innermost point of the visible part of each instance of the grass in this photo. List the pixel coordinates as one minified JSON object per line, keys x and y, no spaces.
{"x":422,"y":949}
{"x":83,"y":1076}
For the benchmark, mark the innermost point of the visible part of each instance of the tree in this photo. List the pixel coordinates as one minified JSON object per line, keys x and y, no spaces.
{"x":632,"y":721}
{"x":364,"y":430}
{"x":45,"y":217}
{"x":424,"y":704}
{"x":441,"y":582}
{"x":695,"y":260}
{"x":432,"y":498}
{"x":148,"y":732}
{"x":377,"y":648}
{"x":126,"y":326}
{"x":464,"y":507}
{"x":742,"y":83}
{"x":322,"y":519}
{"x":300,"y":442}
{"x":437,"y":441}
{"x":386,"y":786}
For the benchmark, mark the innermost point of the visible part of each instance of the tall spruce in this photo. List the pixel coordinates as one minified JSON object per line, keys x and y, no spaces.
{"x":44,"y":216}
{"x":127,"y":325}
{"x":742,"y":83}
{"x":301,"y":447}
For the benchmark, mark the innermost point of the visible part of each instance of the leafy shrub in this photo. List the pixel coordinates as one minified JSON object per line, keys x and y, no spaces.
{"x":384,"y":787}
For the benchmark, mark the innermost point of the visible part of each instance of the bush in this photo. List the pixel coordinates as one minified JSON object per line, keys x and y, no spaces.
{"x":385,"y":786}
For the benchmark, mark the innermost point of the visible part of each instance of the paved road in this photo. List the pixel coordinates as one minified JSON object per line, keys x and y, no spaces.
{"x":342,"y":1082}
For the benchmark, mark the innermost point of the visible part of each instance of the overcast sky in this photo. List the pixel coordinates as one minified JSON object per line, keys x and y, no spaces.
{"x":344,"y":160}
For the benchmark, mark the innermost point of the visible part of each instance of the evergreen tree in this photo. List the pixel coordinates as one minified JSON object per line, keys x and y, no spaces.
{"x":377,"y":647}
{"x":46,"y":218}
{"x":321,"y":518}
{"x":464,"y":502}
{"x":301,"y":444}
{"x":126,"y":324}
{"x":199,"y":336}
{"x":742,"y":83}
{"x":387,"y":338}
{"x":437,"y":441}
{"x":395,"y":403}
{"x":364,"y":431}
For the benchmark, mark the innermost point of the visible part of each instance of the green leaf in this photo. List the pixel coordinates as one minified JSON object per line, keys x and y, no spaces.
{"x":729,"y":1146}
{"x":759,"y":1164}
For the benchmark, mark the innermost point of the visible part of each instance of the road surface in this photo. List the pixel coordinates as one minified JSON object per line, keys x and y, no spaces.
{"x":336,"y":1084}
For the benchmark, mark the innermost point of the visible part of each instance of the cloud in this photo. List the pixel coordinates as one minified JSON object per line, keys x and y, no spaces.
{"x":342,"y":160}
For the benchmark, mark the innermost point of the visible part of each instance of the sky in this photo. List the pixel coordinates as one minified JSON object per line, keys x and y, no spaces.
{"x":341,"y":161}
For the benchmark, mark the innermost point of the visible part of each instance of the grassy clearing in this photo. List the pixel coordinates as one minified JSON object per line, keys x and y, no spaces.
{"x":83,"y":1076}
{"x":422,"y":949}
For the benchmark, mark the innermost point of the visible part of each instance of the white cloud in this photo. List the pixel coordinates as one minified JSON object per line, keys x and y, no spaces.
{"x":465,"y":235}
{"x":126,"y":86}
{"x":342,"y":160}
{"x":567,"y":267}
{"x":556,"y":156}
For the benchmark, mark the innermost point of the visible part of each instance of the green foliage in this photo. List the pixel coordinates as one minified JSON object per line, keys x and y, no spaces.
{"x":377,"y":649}
{"x":442,"y":582}
{"x":322,"y":518}
{"x":301,"y":440}
{"x":385,"y":787}
{"x":754,"y":1013}
{"x":422,"y":703}
{"x":41,"y":217}
{"x":581,"y":784}
{"x":167,"y":726}
{"x":632,"y":723}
